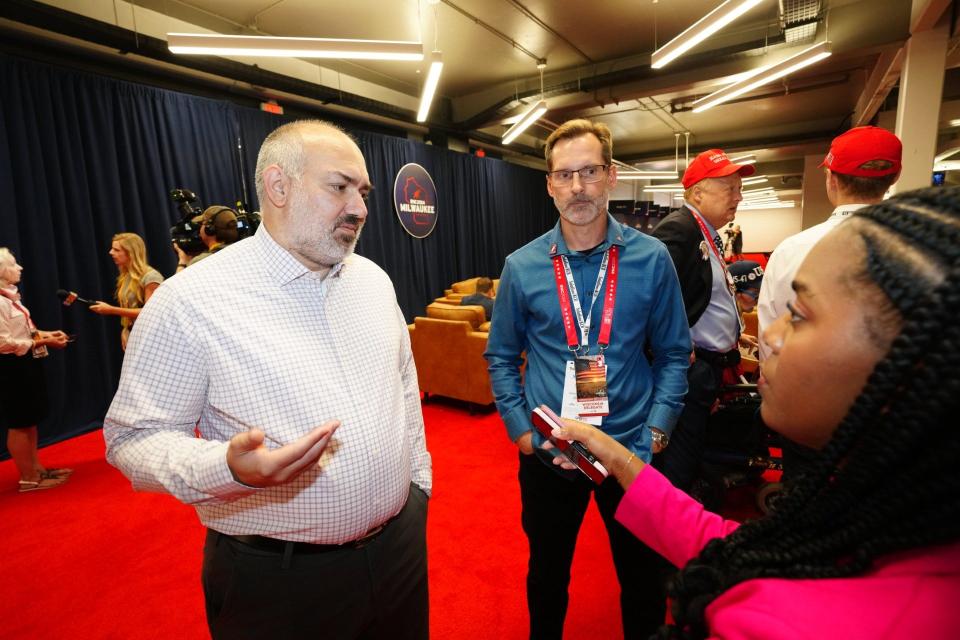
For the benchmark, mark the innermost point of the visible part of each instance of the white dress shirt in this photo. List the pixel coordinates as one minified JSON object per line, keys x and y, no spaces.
{"x":251,"y":338}
{"x":777,"y":287}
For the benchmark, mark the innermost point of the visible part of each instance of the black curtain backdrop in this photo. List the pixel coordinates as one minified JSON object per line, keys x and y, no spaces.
{"x":83,"y":157}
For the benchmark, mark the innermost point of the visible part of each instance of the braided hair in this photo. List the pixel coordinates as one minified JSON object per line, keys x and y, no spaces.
{"x":887,"y":480}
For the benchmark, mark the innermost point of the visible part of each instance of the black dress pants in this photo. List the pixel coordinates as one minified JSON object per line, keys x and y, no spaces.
{"x":553,"y":510}
{"x":377,"y":591}
{"x":680,"y":461}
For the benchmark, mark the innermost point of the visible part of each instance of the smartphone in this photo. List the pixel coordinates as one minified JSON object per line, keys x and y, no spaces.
{"x":544,"y":419}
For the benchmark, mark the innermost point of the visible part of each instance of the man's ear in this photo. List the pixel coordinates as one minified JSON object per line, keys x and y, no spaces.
{"x":276,"y":186}
{"x":695,"y":194}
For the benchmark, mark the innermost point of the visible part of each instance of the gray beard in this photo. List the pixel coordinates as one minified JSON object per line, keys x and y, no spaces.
{"x":599,"y":210}
{"x":330,"y":250}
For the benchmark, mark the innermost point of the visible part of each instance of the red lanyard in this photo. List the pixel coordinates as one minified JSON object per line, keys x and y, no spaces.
{"x":709,"y":239}
{"x":567,"y":289}
{"x":723,"y":265}
{"x":26,"y":314}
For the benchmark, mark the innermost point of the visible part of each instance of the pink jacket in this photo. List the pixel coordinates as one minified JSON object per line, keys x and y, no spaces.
{"x":908,"y":595}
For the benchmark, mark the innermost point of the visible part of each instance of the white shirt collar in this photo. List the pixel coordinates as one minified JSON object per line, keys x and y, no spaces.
{"x":846,"y":209}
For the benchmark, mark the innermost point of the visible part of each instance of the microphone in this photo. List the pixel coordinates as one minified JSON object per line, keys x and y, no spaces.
{"x":69,"y":297}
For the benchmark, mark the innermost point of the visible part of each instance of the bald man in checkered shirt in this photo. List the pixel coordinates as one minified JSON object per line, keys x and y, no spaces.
{"x":289,"y":356}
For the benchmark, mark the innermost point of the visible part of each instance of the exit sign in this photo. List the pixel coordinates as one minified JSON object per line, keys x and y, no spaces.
{"x":271,"y":107}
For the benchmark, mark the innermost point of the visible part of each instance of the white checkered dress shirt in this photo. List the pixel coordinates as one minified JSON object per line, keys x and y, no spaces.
{"x":250,"y":337}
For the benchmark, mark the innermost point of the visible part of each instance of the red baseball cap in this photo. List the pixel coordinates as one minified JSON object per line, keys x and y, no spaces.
{"x":851,"y":150}
{"x":713,"y":164}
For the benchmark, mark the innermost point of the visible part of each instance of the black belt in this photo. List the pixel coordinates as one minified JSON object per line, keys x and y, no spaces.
{"x":287,"y":547}
{"x":723,"y":360}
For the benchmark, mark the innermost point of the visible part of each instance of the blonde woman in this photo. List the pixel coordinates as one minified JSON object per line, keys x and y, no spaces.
{"x":23,"y":389}
{"x":135,"y":284}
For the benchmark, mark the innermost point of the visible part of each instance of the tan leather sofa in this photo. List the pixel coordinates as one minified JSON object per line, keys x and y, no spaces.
{"x":448,"y":350}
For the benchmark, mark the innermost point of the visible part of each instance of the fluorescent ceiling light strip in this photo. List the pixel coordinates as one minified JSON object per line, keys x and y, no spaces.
{"x":784,"y":204}
{"x":430,"y":86}
{"x":747,"y":159}
{"x":647,"y":175}
{"x":620,"y":176}
{"x":663,"y":189}
{"x":701,"y":30}
{"x":525,"y":121}
{"x":753,"y":180}
{"x":642,"y":173}
{"x":940,"y":157}
{"x":764,"y":75}
{"x":217,"y":44}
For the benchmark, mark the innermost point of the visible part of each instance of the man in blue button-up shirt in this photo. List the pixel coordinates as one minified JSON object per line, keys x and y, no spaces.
{"x":646,"y":363}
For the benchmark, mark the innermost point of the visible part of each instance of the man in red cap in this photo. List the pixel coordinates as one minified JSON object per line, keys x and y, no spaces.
{"x":861,"y":165}
{"x":712,"y":193}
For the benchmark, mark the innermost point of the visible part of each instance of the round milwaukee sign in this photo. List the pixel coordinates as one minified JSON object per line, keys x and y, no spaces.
{"x":415,"y":198}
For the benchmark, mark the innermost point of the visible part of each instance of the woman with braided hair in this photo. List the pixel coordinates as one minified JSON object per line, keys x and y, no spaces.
{"x":864,"y":368}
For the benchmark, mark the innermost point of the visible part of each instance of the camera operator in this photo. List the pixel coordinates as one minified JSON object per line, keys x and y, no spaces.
{"x":218,"y":228}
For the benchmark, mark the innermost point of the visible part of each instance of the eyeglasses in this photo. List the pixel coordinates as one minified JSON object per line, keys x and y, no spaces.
{"x":588,"y":174}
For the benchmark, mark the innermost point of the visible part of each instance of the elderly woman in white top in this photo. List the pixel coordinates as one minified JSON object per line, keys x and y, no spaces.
{"x":23,"y":389}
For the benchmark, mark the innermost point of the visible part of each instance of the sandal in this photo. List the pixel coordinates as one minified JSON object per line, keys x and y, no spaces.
{"x":43,"y":483}
{"x":50,"y":474}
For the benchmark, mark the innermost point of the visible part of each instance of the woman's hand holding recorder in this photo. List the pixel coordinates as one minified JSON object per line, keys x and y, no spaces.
{"x":617,"y":459}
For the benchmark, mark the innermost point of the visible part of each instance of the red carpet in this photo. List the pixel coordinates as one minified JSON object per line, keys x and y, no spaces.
{"x":93,"y":559}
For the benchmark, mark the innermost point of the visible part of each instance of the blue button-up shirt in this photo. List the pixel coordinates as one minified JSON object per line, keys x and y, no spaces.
{"x":718,"y":328}
{"x":648,"y":313}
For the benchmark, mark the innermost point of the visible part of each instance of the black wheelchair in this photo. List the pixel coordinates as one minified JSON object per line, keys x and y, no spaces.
{"x":739,"y":450}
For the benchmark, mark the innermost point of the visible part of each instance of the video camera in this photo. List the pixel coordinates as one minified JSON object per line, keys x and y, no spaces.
{"x":185,"y":233}
{"x":247,"y":222}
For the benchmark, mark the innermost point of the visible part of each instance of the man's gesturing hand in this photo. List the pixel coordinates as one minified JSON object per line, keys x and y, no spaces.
{"x":254,"y":465}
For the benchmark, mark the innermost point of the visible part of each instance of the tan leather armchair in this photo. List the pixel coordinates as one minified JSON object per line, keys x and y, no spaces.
{"x":459,"y":290}
{"x":749,"y":361}
{"x":472,"y":313}
{"x":448,"y":352}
